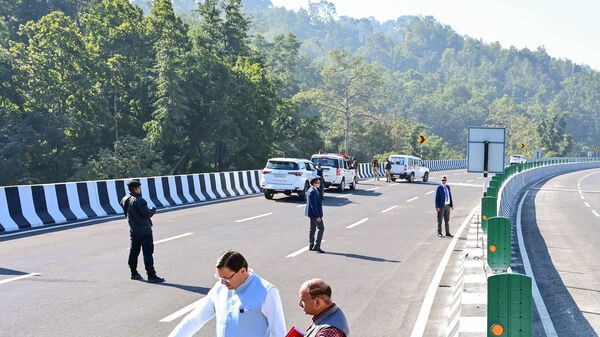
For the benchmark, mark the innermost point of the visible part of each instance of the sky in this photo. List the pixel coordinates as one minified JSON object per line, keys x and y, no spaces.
{"x":567,"y":29}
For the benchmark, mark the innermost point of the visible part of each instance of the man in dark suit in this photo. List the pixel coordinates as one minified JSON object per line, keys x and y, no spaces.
{"x":314,"y":211}
{"x":443,"y":205}
{"x":138,"y":216}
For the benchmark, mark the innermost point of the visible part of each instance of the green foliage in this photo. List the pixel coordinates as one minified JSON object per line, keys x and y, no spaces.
{"x":102,"y":89}
{"x":131,"y":157}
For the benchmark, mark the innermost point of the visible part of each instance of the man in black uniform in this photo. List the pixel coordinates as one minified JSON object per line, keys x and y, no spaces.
{"x":140,"y":230}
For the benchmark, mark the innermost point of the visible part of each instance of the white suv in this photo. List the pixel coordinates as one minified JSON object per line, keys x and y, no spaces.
{"x":337,"y":171}
{"x":517,"y":159}
{"x":287,"y":176}
{"x":408,"y":167}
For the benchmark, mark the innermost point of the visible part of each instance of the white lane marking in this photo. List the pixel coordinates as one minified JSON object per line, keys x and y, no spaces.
{"x":300,"y":251}
{"x":357,"y":223}
{"x":596,"y":213}
{"x":183,"y":310}
{"x":429,"y":192}
{"x":373,"y":189}
{"x":537,"y":296}
{"x":389,"y":209}
{"x":254,"y":217}
{"x":425,"y":310}
{"x":412,"y":199}
{"x":586,"y":204}
{"x":300,"y":206}
{"x":19,"y":277}
{"x":173,"y":238}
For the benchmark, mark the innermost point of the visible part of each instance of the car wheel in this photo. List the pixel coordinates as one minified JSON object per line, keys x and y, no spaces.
{"x":269,"y":194}
{"x":426,"y":176}
{"x":342,"y":186}
{"x":302,"y":194}
{"x":411,"y":178}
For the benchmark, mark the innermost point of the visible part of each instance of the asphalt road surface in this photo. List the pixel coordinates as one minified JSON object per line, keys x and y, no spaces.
{"x":380,"y":239}
{"x":561,"y":231}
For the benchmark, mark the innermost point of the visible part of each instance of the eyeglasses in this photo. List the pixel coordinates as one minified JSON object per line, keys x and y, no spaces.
{"x":226,"y":279}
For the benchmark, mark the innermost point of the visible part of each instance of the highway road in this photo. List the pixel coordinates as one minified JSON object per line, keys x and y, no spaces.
{"x":561,"y":229}
{"x":380,"y":239}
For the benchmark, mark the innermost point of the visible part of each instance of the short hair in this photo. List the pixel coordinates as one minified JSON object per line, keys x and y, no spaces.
{"x":318,"y":288}
{"x":314,"y":180}
{"x":232,"y":260}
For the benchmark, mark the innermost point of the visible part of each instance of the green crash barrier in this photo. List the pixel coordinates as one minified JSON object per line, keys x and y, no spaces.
{"x":499,"y":243}
{"x":492,"y":191}
{"x":509,"y":306}
{"x":489,"y":209}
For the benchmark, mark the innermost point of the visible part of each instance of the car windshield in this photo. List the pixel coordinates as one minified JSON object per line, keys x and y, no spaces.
{"x":282,"y":165}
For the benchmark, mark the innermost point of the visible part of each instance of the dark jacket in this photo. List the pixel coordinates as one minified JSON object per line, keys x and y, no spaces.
{"x":440,"y":196}
{"x":138,"y":214}
{"x":314,"y":206}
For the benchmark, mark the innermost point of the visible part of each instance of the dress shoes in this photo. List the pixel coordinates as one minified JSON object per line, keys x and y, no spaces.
{"x":319,"y":250}
{"x":136,"y":276}
{"x":449,"y":235}
{"x":155,"y":279}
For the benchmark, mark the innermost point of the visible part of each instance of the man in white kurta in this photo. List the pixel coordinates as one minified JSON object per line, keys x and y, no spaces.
{"x":242,"y":302}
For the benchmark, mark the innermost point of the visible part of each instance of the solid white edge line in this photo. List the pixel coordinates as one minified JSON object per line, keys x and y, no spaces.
{"x":254,"y":217}
{"x":537,"y":296}
{"x":357,"y":223}
{"x":183,"y":311}
{"x":19,"y":277}
{"x":425,"y":310}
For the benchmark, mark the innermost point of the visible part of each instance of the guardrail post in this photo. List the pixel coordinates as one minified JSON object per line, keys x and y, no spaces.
{"x":509,"y":306}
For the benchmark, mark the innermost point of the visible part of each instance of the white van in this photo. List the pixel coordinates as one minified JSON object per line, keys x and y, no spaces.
{"x":408,"y":167}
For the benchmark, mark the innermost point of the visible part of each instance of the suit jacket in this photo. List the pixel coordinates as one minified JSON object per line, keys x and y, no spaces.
{"x":440,"y":196}
{"x":314,"y":207}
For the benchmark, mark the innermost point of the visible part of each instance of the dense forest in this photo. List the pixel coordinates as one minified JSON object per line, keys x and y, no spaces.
{"x":104,"y":89}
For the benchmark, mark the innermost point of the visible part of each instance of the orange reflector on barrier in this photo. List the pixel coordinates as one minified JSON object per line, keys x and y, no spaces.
{"x":484,"y":217}
{"x":493,"y":248}
{"x":497,"y":329}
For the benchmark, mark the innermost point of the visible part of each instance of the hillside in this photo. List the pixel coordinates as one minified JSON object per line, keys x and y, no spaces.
{"x":100,"y":89}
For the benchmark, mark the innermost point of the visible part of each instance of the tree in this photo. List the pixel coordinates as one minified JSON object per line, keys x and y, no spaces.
{"x":56,"y":72}
{"x":349,"y":86}
{"x":166,"y":129}
{"x":555,"y":142}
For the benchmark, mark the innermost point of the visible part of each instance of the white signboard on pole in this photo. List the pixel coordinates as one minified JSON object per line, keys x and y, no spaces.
{"x":486,"y":150}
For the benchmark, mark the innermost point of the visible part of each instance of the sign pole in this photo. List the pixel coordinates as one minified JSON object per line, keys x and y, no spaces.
{"x":486,"y":153}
